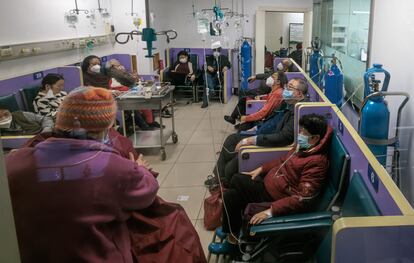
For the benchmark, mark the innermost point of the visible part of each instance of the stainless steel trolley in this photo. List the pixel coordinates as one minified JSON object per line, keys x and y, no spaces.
{"x":162,"y":94}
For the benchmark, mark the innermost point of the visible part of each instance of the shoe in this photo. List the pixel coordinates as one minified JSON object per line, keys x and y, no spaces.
{"x":229,"y":119}
{"x":156,"y":125}
{"x":147,"y":128}
{"x":205,"y":105}
{"x":211,"y":180}
{"x":222,"y":248}
{"x":237,"y":126}
{"x":166,"y":114}
{"x":220,"y":234}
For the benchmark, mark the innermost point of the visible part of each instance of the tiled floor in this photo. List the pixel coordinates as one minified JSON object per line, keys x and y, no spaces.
{"x":200,"y":135}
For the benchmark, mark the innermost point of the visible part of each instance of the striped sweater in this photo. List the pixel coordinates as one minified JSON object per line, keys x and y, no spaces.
{"x":48,"y":106}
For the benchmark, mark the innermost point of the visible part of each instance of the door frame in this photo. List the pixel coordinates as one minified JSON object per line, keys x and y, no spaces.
{"x":260,"y":39}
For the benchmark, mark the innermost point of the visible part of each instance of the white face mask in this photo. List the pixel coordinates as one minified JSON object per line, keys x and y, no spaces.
{"x":216,"y":54}
{"x":270,"y":82}
{"x":49,"y":94}
{"x":96,"y":68}
{"x":280,"y":67}
{"x":183,"y":60}
{"x":6,"y":123}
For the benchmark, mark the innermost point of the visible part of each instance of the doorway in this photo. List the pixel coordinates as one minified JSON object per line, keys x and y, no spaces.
{"x":278,"y":28}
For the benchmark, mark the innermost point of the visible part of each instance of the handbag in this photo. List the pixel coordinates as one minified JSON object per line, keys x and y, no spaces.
{"x":213,"y":209}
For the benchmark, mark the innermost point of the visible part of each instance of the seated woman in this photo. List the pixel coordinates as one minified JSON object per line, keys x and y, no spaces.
{"x":120,"y":77}
{"x":23,"y":123}
{"x":182,"y":69}
{"x":291,"y":182}
{"x":277,"y":82}
{"x":50,"y":95}
{"x":92,"y":73}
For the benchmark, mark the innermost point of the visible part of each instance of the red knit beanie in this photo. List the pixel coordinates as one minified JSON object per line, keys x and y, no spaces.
{"x":92,"y":109}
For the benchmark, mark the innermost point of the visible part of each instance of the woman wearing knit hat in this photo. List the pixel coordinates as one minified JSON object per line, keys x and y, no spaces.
{"x":72,"y":194}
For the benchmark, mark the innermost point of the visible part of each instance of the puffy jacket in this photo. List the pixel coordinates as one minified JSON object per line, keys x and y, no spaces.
{"x":297,"y":178}
{"x":71,"y":200}
{"x":273,"y":101}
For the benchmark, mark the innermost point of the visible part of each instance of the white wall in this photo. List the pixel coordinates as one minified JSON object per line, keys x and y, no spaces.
{"x":391,"y":46}
{"x":123,"y":23}
{"x":277,"y":25}
{"x":177,"y":14}
{"x":24,"y":21}
{"x":34,"y":21}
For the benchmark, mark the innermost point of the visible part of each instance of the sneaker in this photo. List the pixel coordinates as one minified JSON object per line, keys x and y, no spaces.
{"x":220,"y":234}
{"x":229,"y":119}
{"x":211,"y":180}
{"x":205,"y":105}
{"x":222,"y":248}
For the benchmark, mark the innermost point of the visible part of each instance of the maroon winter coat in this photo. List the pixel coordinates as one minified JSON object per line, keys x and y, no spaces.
{"x":160,"y":233}
{"x":71,"y":200}
{"x":301,"y":178}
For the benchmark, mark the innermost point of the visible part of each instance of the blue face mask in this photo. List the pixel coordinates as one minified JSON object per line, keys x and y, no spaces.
{"x":303,"y":142}
{"x":287,"y":94}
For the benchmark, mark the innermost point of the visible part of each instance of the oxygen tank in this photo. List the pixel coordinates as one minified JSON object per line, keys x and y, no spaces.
{"x":314,"y":68}
{"x":246,"y":63}
{"x":375,"y":116}
{"x":334,"y":83}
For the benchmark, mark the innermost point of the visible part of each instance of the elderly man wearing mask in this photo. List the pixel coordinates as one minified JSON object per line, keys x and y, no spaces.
{"x":217,"y":65}
{"x":277,"y":130}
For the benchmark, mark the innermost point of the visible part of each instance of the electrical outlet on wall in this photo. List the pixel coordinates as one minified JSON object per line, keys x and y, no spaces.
{"x":25,"y":51}
{"x":6,"y":52}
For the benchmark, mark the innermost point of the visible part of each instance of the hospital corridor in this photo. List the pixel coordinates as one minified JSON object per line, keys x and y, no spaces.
{"x":201,"y":131}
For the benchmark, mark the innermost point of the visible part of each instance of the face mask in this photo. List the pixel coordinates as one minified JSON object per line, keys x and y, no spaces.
{"x":96,"y":69}
{"x":287,"y":94}
{"x":6,"y":124}
{"x":270,"y":82}
{"x":49,"y":94}
{"x":183,"y":60}
{"x":280,"y":67}
{"x":303,"y":142}
{"x":216,"y":54}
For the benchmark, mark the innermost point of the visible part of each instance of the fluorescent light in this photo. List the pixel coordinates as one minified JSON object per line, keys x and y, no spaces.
{"x":360,"y":12}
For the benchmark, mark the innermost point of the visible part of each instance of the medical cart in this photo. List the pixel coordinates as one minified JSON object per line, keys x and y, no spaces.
{"x":155,"y":97}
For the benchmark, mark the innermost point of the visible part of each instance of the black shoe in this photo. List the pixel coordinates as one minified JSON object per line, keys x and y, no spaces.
{"x":229,"y":119}
{"x":211,"y":181}
{"x":147,"y":128}
{"x":156,"y":125}
{"x":205,"y":105}
{"x":237,"y":126}
{"x":166,"y":114}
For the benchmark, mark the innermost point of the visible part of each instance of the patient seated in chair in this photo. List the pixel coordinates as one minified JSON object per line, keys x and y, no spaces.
{"x":291,"y":182}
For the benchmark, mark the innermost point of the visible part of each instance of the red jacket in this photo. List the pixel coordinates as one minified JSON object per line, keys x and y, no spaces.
{"x":299,"y":180}
{"x":274,"y":100}
{"x":72,"y":198}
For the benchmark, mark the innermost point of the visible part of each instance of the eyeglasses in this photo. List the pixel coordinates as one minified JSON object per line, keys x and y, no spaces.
{"x":291,"y":87}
